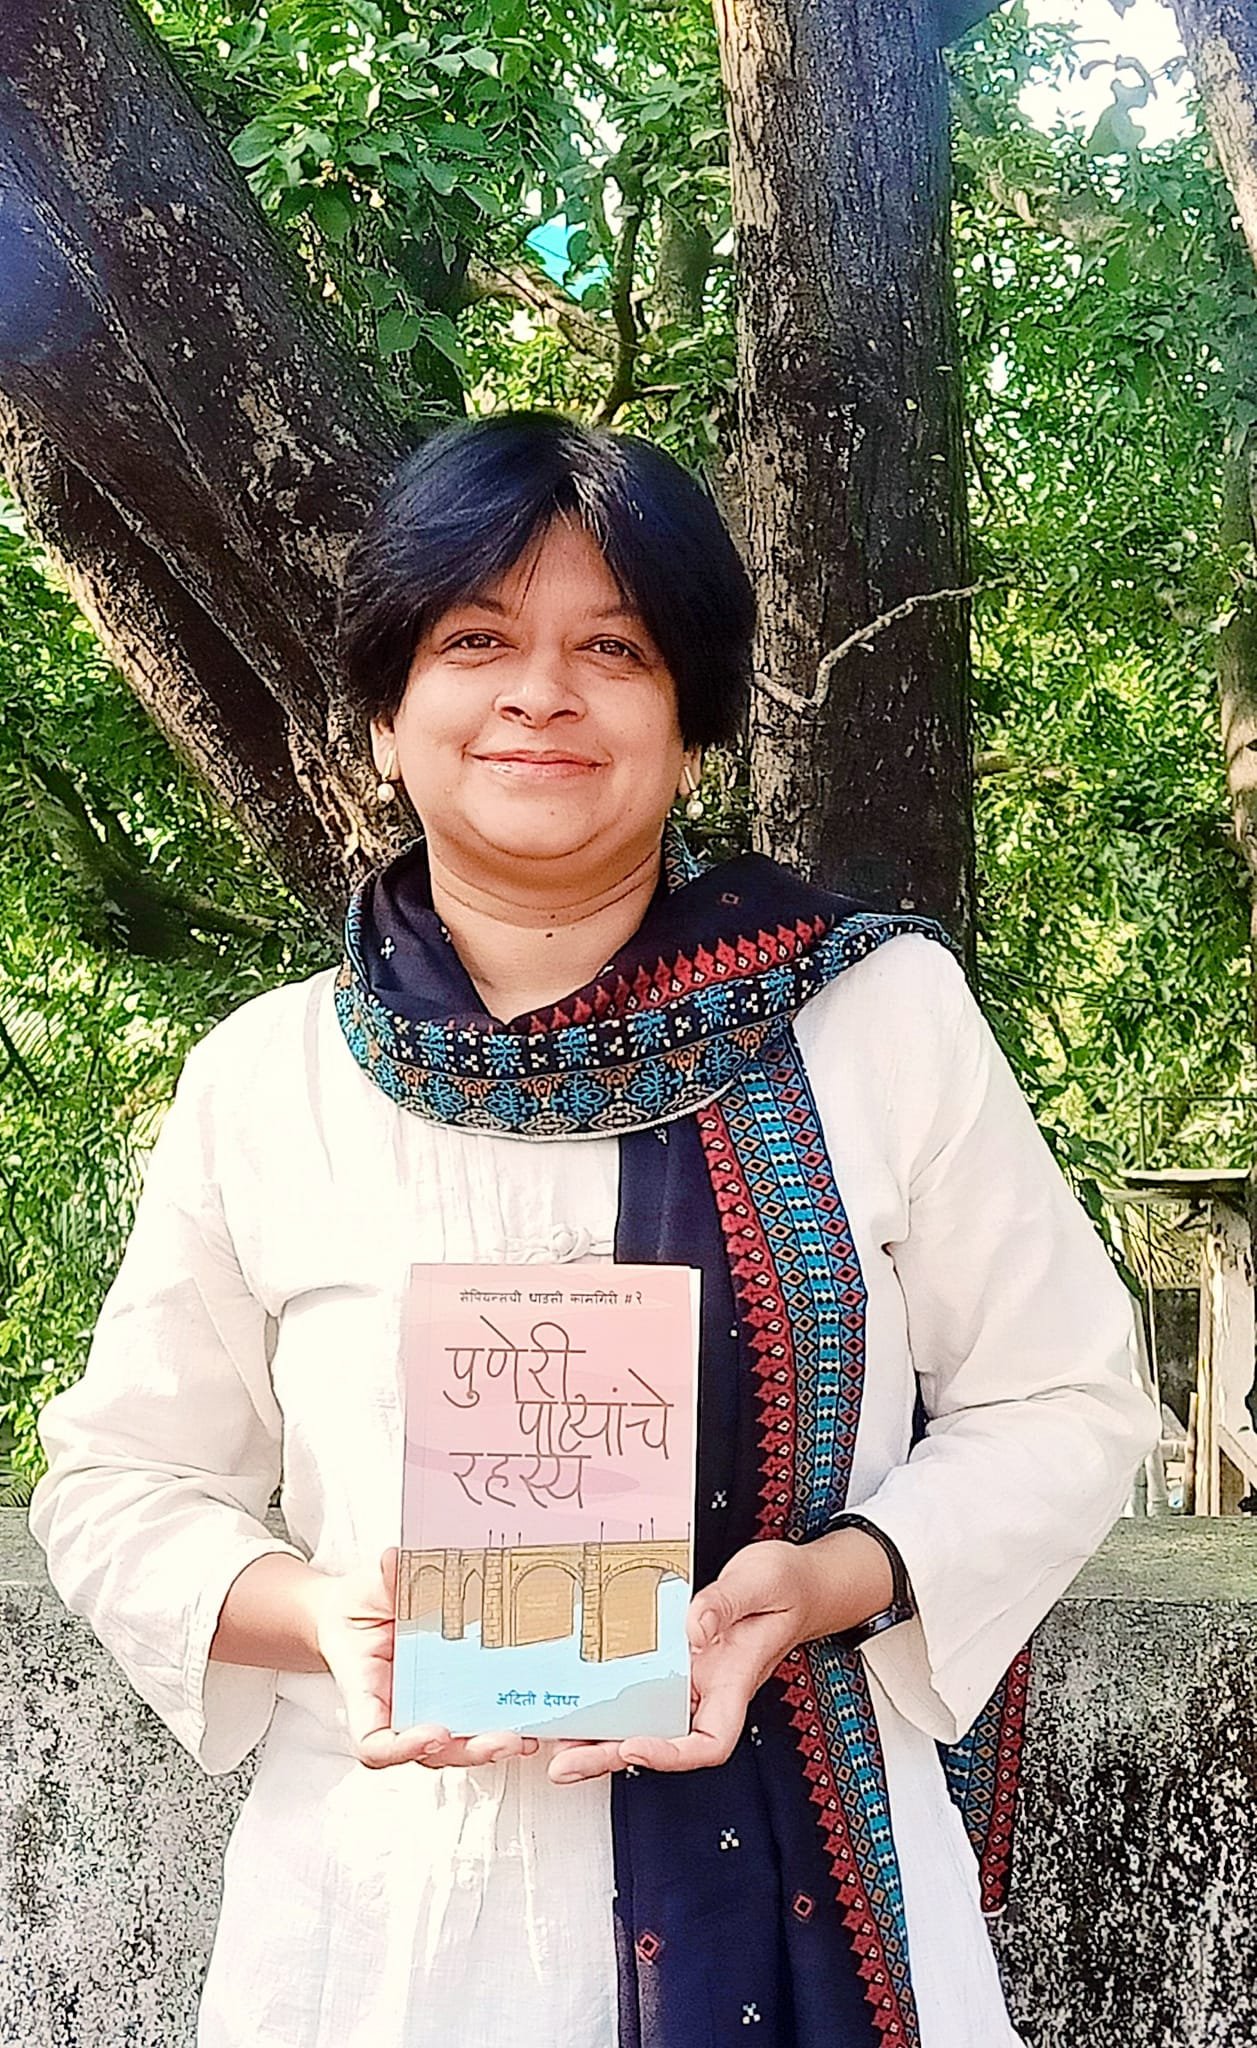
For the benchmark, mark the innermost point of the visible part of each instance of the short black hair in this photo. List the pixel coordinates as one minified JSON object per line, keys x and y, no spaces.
{"x":460,"y":511}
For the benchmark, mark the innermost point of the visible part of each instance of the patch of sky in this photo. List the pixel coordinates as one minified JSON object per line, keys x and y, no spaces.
{"x":550,"y":243}
{"x":1128,"y":54}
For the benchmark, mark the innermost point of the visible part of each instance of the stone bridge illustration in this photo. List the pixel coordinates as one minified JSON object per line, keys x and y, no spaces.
{"x":527,"y":1593}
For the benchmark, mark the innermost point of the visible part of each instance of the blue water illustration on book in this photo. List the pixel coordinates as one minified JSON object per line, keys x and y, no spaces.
{"x":435,"y":1679}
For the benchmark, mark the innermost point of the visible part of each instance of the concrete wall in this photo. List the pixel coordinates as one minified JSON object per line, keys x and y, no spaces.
{"x":1135,"y":1895}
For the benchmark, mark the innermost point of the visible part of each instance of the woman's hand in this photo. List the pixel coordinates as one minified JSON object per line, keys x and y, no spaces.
{"x":352,"y":1619}
{"x":769,"y":1597}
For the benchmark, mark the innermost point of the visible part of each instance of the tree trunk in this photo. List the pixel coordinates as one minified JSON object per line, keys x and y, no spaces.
{"x":181,"y":427}
{"x":851,"y":446}
{"x":197,"y":688}
{"x":1220,"y":38}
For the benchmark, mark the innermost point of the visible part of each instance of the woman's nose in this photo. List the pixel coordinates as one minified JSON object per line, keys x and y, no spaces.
{"x":540,"y":690}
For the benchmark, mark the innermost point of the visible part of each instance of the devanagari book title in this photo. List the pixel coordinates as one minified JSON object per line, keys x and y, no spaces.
{"x":548,"y":1497}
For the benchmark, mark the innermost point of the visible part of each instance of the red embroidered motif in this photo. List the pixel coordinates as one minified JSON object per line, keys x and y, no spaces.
{"x":893,"y":2011}
{"x":751,"y":1267}
{"x":996,"y":1855}
{"x":757,"y":1284}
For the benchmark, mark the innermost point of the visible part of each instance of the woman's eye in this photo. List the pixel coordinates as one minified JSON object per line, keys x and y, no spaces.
{"x":476,"y":640}
{"x":617,"y":648}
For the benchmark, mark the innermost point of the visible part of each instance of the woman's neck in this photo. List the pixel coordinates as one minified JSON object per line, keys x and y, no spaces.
{"x":524,"y":950}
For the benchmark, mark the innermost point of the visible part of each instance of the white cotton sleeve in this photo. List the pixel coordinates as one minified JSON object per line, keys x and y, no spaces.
{"x":163,"y":1458}
{"x":1021,"y":1336}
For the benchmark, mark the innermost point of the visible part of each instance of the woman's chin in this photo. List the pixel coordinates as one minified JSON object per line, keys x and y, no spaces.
{"x":544,"y":833}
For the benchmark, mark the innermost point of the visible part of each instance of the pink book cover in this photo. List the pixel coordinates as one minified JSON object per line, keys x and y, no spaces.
{"x":548,"y":1499}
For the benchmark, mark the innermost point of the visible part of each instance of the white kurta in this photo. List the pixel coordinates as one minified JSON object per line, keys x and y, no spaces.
{"x":251,"y":1337}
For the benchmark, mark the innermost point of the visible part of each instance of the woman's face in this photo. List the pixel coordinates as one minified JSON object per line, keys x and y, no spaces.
{"x":539,"y":724}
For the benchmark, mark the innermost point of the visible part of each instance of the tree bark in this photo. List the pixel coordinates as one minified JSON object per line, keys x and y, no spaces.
{"x":195,"y":685}
{"x":1220,"y":38}
{"x":182,"y":428}
{"x":851,"y":446}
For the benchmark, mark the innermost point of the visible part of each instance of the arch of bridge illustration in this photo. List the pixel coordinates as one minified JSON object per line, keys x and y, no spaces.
{"x":527,"y":1593}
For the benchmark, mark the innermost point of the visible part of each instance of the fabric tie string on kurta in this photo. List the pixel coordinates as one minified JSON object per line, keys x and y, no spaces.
{"x":687,"y":1038}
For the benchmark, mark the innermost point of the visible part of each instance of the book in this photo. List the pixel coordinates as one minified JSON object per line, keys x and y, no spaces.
{"x":548,"y":1499}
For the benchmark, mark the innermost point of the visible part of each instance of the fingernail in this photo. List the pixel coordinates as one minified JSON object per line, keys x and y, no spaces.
{"x":430,"y":1748}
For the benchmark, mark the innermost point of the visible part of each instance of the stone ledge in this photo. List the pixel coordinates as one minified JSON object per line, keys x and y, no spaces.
{"x":1130,"y":1925}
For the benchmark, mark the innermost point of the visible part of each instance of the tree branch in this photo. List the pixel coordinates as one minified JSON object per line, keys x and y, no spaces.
{"x":16,"y":1060}
{"x":523,"y":286}
{"x":165,"y":345}
{"x":131,"y":901}
{"x":794,"y":700}
{"x":621,"y":387}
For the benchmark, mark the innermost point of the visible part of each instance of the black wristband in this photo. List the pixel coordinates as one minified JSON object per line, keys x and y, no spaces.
{"x":902,"y":1605}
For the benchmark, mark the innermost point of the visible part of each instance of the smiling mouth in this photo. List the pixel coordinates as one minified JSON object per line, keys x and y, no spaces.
{"x":520,"y":760}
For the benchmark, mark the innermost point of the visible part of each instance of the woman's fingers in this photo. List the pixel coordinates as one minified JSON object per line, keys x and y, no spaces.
{"x":388,"y":1577}
{"x":758,"y":1582}
{"x":711,"y":1613}
{"x":365,"y":1688}
{"x":717,"y":1723}
{"x":438,"y":1750}
{"x":385,"y":1746}
{"x":494,"y":1748}
{"x":574,"y":1761}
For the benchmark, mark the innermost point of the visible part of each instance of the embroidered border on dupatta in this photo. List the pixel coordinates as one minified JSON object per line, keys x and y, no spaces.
{"x":983,"y":1774}
{"x":618,"y":1055}
{"x":801,"y":1294}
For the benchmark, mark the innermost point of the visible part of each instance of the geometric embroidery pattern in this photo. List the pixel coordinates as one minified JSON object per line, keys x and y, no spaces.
{"x":983,"y":1775}
{"x":622,"y":1054}
{"x":801,"y":1302}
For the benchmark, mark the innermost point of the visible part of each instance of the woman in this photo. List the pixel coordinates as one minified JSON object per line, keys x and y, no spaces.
{"x":553,"y":1036}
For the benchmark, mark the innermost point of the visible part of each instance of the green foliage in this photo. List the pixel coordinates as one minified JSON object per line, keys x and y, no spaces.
{"x":1102,"y":308}
{"x":408,"y":155}
{"x":92,"y":1033}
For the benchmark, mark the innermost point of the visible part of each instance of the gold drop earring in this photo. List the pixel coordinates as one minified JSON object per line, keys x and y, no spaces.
{"x":385,"y":793}
{"x":694,"y":806}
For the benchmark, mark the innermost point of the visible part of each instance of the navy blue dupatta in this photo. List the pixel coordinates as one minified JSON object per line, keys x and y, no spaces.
{"x":763,"y":1895}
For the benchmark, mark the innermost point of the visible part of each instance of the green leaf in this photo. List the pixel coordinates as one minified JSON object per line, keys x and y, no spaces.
{"x":333,"y":214}
{"x":441,"y":177}
{"x":457,"y":135}
{"x":480,"y":196}
{"x":1114,"y":134}
{"x":450,"y":62}
{"x":397,"y":330}
{"x":404,"y":176}
{"x":516,"y":65}
{"x":483,"y":60}
{"x":254,"y":144}
{"x":440,"y":330}
{"x":314,"y":140}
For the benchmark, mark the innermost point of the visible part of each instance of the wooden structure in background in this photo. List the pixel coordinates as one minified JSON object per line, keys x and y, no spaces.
{"x":1222,"y":1439}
